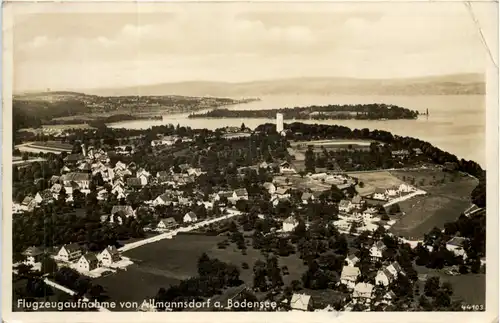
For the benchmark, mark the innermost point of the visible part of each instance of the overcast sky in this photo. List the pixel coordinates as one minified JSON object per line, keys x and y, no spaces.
{"x":224,"y":42}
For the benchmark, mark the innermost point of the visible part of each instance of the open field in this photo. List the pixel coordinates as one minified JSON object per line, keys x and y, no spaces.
{"x":470,"y":288}
{"x":373,"y":180}
{"x":301,"y":183}
{"x":49,"y":146}
{"x":166,"y":262}
{"x":448,"y":196}
{"x":331,"y":143}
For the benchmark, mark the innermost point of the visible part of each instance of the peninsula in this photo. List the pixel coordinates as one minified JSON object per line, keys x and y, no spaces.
{"x":334,"y":112}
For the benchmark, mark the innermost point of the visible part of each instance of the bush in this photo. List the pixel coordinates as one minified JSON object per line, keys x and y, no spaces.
{"x":244,"y":265}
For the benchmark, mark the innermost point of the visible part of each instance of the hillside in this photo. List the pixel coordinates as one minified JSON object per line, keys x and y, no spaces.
{"x":439,"y":85}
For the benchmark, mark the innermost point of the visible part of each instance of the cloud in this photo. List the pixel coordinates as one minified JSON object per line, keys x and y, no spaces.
{"x":244,"y":44}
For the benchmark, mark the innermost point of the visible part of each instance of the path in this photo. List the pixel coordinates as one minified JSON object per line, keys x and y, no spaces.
{"x":171,"y":234}
{"x":404,"y":198}
{"x":70,"y":292}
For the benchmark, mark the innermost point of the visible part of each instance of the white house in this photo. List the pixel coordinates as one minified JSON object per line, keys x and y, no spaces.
{"x":349,"y":276}
{"x":162,"y":199}
{"x":142,"y":172}
{"x":362,"y":293}
{"x":456,"y":245}
{"x":167,"y":223}
{"x":190,"y":217}
{"x":345,"y":206}
{"x":270,"y":187}
{"x":290,"y":224}
{"x":390,"y":192}
{"x":70,"y":252}
{"x":82,"y":179}
{"x":120,"y":166}
{"x":108,"y":256}
{"x":144,"y":179}
{"x":282,"y":192}
{"x":306,"y":197}
{"x":88,"y":262}
{"x":240,"y":194}
{"x":351,"y":260}
{"x":405,"y":188}
{"x":379,"y":194}
{"x":301,"y":302}
{"x":377,"y":249}
{"x":388,"y":274}
{"x":33,"y":255}
{"x":285,"y":167}
{"x":357,"y":202}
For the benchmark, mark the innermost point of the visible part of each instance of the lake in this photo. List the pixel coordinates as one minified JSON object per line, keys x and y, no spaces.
{"x":456,"y":123}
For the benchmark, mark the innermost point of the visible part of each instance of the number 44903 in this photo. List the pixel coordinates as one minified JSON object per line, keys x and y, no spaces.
{"x":472,"y":307}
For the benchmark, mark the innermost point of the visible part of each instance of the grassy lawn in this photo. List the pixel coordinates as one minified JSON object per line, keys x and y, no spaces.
{"x":448,"y":196}
{"x":373,"y":180}
{"x":469,"y":288}
{"x":166,"y":262}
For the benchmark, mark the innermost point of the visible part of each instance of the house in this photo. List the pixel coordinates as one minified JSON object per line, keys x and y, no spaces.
{"x":264,"y":165}
{"x":118,"y":188}
{"x":70,"y":252}
{"x":456,"y":245}
{"x":134,"y":182}
{"x":162,"y":199}
{"x":190,"y":217}
{"x":289,"y":224}
{"x":277,"y":200}
{"x":417,"y":151}
{"x":384,"y":277}
{"x":33,"y":254}
{"x":301,"y":302}
{"x":362,"y":293}
{"x":377,"y":249}
{"x":345,"y":206}
{"x":390,"y":192}
{"x":142,"y":172}
{"x":56,"y":188}
{"x":389,"y":297}
{"x":349,"y":276}
{"x":122,"y":210}
{"x":120,"y":166}
{"x":240,"y":194}
{"x":82,"y":179}
{"x":351,"y":260}
{"x":162,"y":174}
{"x":402,"y":153}
{"x":285,"y":167}
{"x":88,"y":262}
{"x":166,"y":224}
{"x":379,"y":194}
{"x":306,"y":197}
{"x":357,"y":202}
{"x":194,"y":171}
{"x":270,"y":187}
{"x":109,"y":255}
{"x":54,"y":179}
{"x":73,"y":158}
{"x":85,"y":167}
{"x":282,"y":192}
{"x":45,"y":196}
{"x":28,"y":204}
{"x":405,"y":188}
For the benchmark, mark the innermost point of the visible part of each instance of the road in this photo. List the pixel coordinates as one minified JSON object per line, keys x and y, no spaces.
{"x":171,"y":234}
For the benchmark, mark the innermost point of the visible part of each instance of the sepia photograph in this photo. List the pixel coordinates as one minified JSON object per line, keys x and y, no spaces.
{"x":326,"y":158}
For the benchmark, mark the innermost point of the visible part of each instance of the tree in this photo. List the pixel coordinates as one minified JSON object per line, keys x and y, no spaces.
{"x":49,"y":266}
{"x":431,"y":286}
{"x":310,"y":161}
{"x":394,"y":208}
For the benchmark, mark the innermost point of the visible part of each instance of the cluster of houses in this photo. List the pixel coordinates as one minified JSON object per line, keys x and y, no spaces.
{"x":381,"y":194}
{"x":75,"y":256}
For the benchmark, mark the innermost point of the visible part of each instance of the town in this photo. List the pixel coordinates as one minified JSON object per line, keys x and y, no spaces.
{"x":338,"y":219}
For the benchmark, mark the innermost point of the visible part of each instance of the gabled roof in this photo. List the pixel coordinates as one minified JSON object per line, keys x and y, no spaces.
{"x":191,"y":214}
{"x":162,"y":173}
{"x":456,"y":241}
{"x":352,"y":258}
{"x":380,"y":245}
{"x":300,"y":301}
{"x":362,"y":290}
{"x":168,"y":221}
{"x":27,"y":200}
{"x":357,"y":199}
{"x":54,"y":178}
{"x":306,"y":196}
{"x":164,"y":197}
{"x":32,"y":251}
{"x":344,"y":203}
{"x":72,"y":247}
{"x":90,"y":257}
{"x":241,"y":192}
{"x":350,"y":273}
{"x":379,"y":190}
{"x":46,"y":194}
{"x":75,"y":177}
{"x":290,"y":220}
{"x":134,"y":181}
{"x":281,"y":190}
{"x":126,"y":209}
